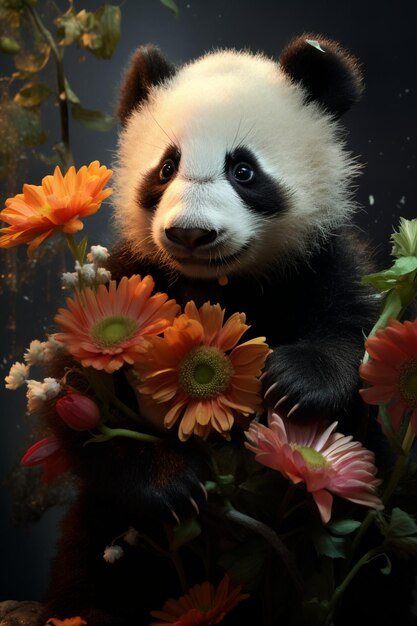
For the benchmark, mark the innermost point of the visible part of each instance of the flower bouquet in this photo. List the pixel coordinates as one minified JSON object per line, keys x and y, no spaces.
{"x":292,"y":512}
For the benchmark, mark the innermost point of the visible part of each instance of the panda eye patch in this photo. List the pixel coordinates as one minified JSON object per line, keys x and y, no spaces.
{"x":243,"y":173}
{"x":167,"y":170}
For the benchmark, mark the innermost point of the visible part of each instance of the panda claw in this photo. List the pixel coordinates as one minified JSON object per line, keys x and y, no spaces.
{"x":204,"y":490}
{"x":175,"y":516}
{"x":195,"y":505}
{"x":281,"y":401}
{"x":271,"y":388}
{"x":293,"y":410}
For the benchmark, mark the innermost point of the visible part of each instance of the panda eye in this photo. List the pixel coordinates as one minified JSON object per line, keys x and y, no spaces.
{"x":243,"y":172}
{"x":167,"y":171}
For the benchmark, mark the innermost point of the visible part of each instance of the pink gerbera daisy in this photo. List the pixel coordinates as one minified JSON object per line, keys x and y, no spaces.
{"x":392,"y":371}
{"x":106,"y":328}
{"x":327,"y":462}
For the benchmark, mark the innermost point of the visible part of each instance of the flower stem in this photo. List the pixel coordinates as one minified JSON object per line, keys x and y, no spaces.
{"x":125,"y":432}
{"x":388,"y":491}
{"x":72,"y":244}
{"x":270,"y":537}
{"x":65,"y":153}
{"x":399,"y":465}
{"x":340,"y":590}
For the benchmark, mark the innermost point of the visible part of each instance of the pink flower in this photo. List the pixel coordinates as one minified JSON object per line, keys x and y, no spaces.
{"x":78,"y":411}
{"x":327,"y":462}
{"x":48,"y":453}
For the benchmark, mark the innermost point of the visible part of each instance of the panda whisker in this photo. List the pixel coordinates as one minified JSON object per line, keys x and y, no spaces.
{"x":247,"y":135}
{"x":236,"y":135}
{"x":176,"y":142}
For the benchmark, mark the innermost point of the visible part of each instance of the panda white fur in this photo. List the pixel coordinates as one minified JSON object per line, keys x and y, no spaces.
{"x":232,"y":185}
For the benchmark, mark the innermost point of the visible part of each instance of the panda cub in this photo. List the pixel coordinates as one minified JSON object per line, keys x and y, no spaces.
{"x":232,"y":185}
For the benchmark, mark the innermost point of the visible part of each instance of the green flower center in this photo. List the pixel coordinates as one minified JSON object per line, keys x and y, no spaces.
{"x":113,"y":330}
{"x":312,"y":457}
{"x":205,"y":372}
{"x":408,"y":383}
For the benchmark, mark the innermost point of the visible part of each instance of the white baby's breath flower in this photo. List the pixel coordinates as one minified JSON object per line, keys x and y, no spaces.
{"x":52,"y":347}
{"x":38,"y":392}
{"x":69,"y":280}
{"x":131,"y":536}
{"x":88,"y":273}
{"x":103,"y":276}
{"x":112,"y":553}
{"x":52,"y":387}
{"x":17,"y":376}
{"x":98,"y":255}
{"x":35,"y":354}
{"x":36,"y":395}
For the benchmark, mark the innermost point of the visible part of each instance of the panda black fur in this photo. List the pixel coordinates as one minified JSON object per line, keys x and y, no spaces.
{"x":231,"y":166}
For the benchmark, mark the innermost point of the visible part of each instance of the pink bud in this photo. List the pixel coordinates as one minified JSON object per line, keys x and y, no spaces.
{"x":40,"y":451}
{"x":78,"y":411}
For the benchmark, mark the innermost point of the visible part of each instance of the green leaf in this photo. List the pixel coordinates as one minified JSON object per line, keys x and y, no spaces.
{"x":402,"y":524}
{"x":16,"y":5}
{"x":405,"y":240}
{"x":9,"y":45}
{"x":69,"y":28}
{"x":327,"y":545}
{"x":82,"y":247}
{"x":33,"y":61}
{"x":107,"y":30}
{"x":171,"y":5}
{"x":32,"y":94}
{"x":388,"y":278}
{"x":95,"y":120}
{"x":343,"y":527}
{"x":71,"y":96}
{"x":185,"y":532}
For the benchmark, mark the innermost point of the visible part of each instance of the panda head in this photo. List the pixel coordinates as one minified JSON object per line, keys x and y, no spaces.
{"x":234,"y":163}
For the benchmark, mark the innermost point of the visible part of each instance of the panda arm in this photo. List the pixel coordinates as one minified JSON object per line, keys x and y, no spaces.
{"x":331,"y":311}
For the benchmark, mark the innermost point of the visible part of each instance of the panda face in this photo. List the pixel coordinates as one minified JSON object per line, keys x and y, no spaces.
{"x":225,"y":169}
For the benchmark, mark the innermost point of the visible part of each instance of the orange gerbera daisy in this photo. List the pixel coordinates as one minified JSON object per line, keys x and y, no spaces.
{"x":192,"y":371}
{"x":392,"y":371}
{"x":202,"y":606}
{"x":326,"y":461}
{"x":57,"y":204}
{"x":106,"y":328}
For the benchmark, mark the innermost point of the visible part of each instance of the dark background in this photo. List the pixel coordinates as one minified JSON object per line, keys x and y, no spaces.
{"x":381,"y":131}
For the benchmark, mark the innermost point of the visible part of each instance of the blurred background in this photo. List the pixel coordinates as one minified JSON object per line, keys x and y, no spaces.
{"x":381,"y":131}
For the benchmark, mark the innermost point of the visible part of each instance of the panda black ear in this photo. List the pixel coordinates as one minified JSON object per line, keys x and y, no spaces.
{"x":147,"y":68}
{"x":329,"y":74}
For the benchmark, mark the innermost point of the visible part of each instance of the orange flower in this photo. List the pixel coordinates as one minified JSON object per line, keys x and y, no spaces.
{"x":57,"y":204}
{"x":202,"y":606}
{"x":392,"y":371}
{"x":106,"y":328}
{"x":191,"y":370}
{"x":71,"y":621}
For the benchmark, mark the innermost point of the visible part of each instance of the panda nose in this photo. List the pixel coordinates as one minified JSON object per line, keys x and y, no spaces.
{"x":190,"y":237}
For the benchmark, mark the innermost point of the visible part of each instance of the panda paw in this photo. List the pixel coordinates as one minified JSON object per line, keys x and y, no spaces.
{"x":175,"y":487}
{"x":303,"y":382}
